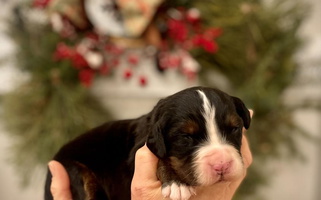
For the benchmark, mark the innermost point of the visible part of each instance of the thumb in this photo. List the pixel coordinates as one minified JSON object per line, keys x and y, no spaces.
{"x":145,"y":165}
{"x":60,"y":184}
{"x":145,"y":184}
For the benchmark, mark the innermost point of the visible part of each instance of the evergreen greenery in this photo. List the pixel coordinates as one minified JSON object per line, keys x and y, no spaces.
{"x":51,"y":107}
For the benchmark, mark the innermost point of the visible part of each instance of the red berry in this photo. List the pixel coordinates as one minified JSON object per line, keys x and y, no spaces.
{"x":143,"y":81}
{"x":128,"y":73}
{"x":86,"y":76}
{"x":133,"y":59}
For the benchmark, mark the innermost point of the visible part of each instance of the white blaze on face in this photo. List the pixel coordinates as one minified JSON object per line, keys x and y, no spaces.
{"x":209,"y":116}
{"x":215,"y":160}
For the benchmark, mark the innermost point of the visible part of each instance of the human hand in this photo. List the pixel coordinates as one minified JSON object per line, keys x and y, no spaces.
{"x":145,"y":184}
{"x":60,"y":185}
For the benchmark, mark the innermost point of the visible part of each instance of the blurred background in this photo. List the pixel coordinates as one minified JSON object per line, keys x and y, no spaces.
{"x":69,"y":65}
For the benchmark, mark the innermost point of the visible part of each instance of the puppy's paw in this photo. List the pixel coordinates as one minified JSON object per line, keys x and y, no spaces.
{"x":177,"y":191}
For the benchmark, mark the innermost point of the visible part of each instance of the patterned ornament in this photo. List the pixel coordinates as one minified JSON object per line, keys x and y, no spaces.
{"x":121,"y":18}
{"x":137,"y":14}
{"x":71,"y":10}
{"x":105,"y":17}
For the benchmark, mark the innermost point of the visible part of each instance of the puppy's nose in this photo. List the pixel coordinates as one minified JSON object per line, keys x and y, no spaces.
{"x":222,"y":167}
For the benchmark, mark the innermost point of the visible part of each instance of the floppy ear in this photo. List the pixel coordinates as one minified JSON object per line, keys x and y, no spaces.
{"x":242,"y":111}
{"x":155,"y":141}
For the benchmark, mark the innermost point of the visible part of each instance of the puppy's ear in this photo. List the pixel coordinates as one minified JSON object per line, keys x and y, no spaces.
{"x":242,"y":111}
{"x":155,"y":141}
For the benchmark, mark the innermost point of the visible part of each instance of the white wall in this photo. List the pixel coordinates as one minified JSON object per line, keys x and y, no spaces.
{"x":300,"y":180}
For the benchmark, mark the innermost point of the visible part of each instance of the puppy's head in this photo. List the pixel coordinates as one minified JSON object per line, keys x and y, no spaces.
{"x":198,"y":133}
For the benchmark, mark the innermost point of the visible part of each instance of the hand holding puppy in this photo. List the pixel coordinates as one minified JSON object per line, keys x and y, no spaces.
{"x":146,"y":186}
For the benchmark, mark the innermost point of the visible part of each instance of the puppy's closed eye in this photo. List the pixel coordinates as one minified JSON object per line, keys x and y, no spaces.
{"x":190,"y":127}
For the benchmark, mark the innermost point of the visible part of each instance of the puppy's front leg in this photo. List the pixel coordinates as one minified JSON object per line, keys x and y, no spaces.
{"x":172,"y":186}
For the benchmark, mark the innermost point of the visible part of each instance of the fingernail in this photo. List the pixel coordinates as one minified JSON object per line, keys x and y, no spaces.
{"x":52,"y":168}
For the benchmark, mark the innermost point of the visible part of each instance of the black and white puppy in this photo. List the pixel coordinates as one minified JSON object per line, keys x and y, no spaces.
{"x":196,"y":134}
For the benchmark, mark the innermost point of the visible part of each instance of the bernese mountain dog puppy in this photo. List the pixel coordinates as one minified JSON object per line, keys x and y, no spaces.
{"x":196,"y":134}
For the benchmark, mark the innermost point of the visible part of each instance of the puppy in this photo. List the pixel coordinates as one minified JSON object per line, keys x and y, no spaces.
{"x":196,"y":134}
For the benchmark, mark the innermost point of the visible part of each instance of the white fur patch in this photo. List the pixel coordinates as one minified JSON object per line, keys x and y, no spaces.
{"x":209,"y":115}
{"x":214,"y":151}
{"x":176,"y":191}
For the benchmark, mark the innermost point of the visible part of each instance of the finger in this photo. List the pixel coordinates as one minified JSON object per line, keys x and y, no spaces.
{"x":145,"y":165}
{"x":251,"y":112}
{"x":60,"y":184}
{"x":245,"y":148}
{"x":246,"y":152}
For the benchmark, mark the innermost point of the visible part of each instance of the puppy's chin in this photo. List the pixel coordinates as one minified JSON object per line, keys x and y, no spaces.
{"x":215,"y":164}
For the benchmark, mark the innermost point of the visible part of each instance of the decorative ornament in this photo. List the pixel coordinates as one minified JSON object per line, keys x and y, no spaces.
{"x":62,"y":25}
{"x":94,"y":59}
{"x":193,"y":15}
{"x":71,"y":10}
{"x":40,"y":3}
{"x":137,"y":14}
{"x":184,"y":31}
{"x":105,"y":17}
{"x":117,"y":31}
{"x":189,"y":66}
{"x":169,"y":60}
{"x":87,"y":48}
{"x":122,"y":18}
